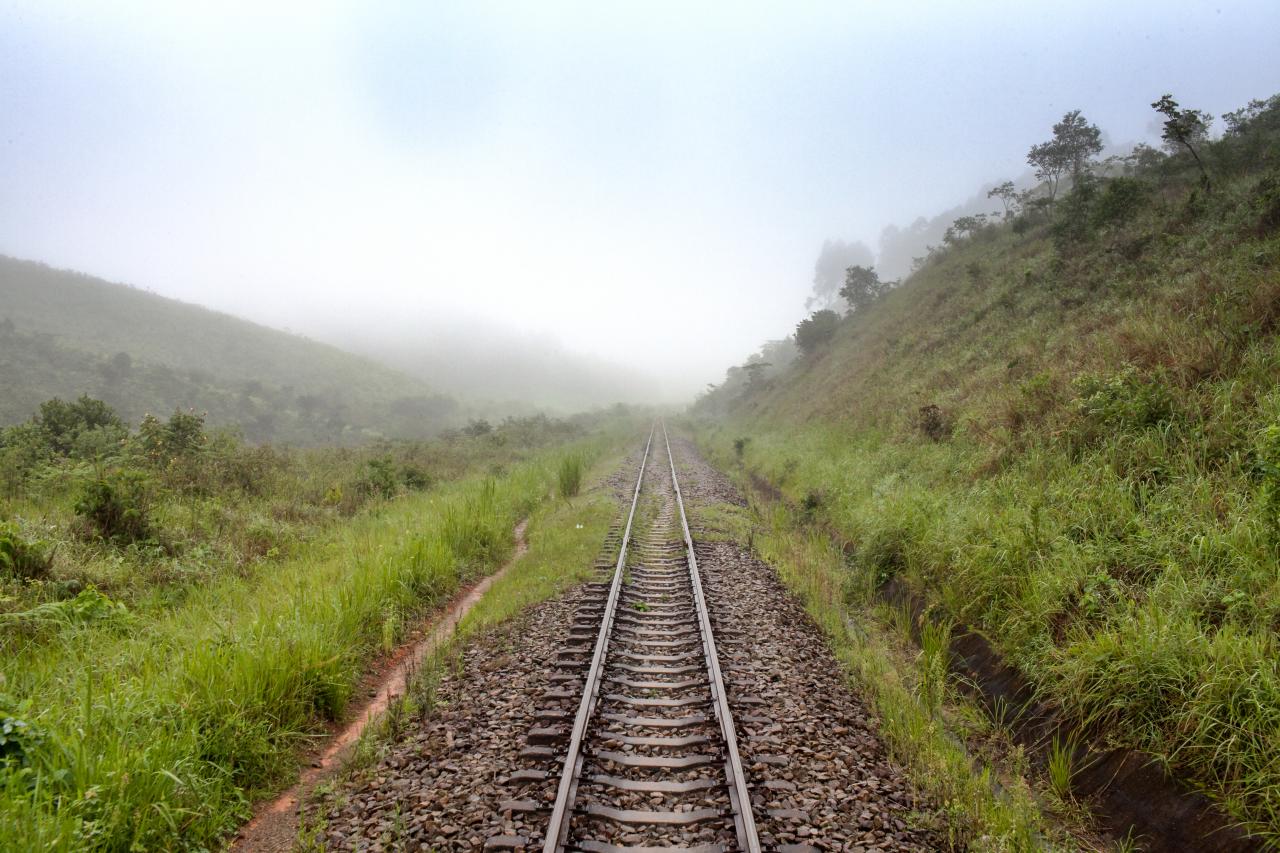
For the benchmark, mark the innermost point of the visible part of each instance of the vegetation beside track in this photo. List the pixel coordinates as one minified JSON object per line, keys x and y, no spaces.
{"x":564,"y":538}
{"x":983,"y":805}
{"x":1064,"y":431}
{"x":155,"y":677}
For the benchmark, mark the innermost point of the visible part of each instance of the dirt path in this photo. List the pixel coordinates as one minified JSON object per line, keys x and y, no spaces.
{"x":275,"y":826}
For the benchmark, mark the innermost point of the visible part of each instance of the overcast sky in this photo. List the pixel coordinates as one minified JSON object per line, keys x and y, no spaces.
{"x":648,"y":183}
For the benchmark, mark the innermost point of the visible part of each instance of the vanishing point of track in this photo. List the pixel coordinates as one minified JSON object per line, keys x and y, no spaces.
{"x":652,"y":759}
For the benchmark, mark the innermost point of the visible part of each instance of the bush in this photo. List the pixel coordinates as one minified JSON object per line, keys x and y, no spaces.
{"x":1119,"y":200}
{"x":117,"y":506}
{"x":61,"y":423}
{"x":815,"y":331}
{"x":570,"y":476}
{"x":415,"y":479}
{"x":20,"y":557}
{"x":380,"y":478}
{"x":181,"y":436}
{"x":1266,"y":201}
{"x":933,"y":423}
{"x":1125,"y":400}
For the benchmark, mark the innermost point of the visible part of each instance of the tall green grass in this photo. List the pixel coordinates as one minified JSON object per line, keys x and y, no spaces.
{"x":569,"y":479}
{"x":1107,"y":507}
{"x":978,"y":811}
{"x":155,"y":733}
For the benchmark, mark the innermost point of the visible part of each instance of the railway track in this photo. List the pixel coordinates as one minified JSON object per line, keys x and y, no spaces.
{"x":652,"y":760}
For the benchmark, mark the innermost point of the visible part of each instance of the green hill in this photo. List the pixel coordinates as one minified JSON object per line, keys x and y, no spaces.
{"x":1064,"y":431}
{"x":65,"y":334}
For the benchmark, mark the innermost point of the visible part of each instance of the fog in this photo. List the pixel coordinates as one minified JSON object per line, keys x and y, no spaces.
{"x":597,"y":200}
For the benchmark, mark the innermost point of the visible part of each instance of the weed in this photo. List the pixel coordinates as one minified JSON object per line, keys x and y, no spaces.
{"x":1061,"y":764}
{"x":569,"y":476}
{"x":20,"y":557}
{"x":118,"y":506}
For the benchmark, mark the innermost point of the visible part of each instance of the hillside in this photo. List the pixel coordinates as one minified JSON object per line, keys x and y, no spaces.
{"x":66,"y":334}
{"x":1063,"y":431}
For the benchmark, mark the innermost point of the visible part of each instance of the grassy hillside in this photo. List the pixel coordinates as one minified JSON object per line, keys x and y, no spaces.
{"x":1064,"y":431}
{"x":66,"y":334}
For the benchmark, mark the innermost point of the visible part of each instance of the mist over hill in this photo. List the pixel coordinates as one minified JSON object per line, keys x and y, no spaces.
{"x":508,"y":369}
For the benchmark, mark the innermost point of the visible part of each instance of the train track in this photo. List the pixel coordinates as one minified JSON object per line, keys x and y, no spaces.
{"x":652,"y":761}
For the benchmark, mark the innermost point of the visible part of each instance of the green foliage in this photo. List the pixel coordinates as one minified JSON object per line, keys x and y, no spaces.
{"x":27,"y":749}
{"x":1266,"y":203}
{"x":1184,"y":128}
{"x":157,"y":723}
{"x":20,"y":557}
{"x":61,"y":425}
{"x":1122,"y":401}
{"x":862,"y":287}
{"x":477,"y":428}
{"x":118,"y":506}
{"x":814,"y":331}
{"x":380,"y":478}
{"x":89,"y":605}
{"x":569,"y":476}
{"x":415,"y":478}
{"x":1120,"y":199}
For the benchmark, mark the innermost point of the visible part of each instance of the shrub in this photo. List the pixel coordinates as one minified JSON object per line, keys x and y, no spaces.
{"x":477,"y":428}
{"x":182,"y":435}
{"x":380,"y":477}
{"x":933,"y":423}
{"x":415,"y":479}
{"x":1125,"y":400}
{"x":815,"y":331}
{"x":61,"y":423}
{"x":811,"y":503}
{"x":1118,"y":201}
{"x":740,"y":447}
{"x":118,"y":506}
{"x":20,"y":557}
{"x":570,"y":476}
{"x":1073,"y":222}
{"x":23,"y":744}
{"x":1266,"y":201}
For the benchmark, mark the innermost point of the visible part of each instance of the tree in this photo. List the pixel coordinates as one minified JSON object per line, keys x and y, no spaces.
{"x":816,"y":330}
{"x":1184,"y":129}
{"x":477,"y":428}
{"x":1079,"y":140}
{"x":862,"y":286}
{"x":755,"y":371}
{"x":965,"y":226}
{"x":61,"y":423}
{"x":1074,"y":144}
{"x":1009,"y":197}
{"x":828,"y":271}
{"x":1050,"y":163}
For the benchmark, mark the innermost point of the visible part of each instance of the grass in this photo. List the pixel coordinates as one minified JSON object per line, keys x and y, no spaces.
{"x":155,"y":730}
{"x":564,"y":540}
{"x":569,"y":479}
{"x":980,"y":808}
{"x":1104,"y":503}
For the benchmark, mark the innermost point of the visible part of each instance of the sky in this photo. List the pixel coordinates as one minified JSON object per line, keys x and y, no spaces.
{"x":645,"y":183}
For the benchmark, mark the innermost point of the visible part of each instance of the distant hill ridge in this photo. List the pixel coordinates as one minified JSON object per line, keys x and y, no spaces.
{"x":64,"y":333}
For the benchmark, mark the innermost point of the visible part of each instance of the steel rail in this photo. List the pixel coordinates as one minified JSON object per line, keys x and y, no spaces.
{"x":743,"y":817}
{"x":558,"y":826}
